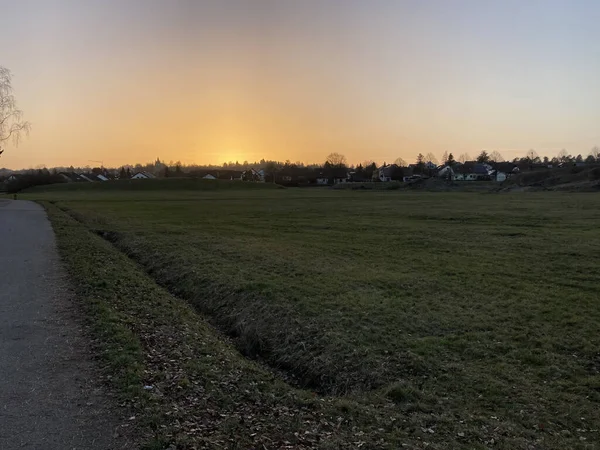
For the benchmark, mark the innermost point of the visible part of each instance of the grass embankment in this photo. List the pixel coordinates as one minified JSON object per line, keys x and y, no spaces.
{"x":477,"y":314}
{"x":582,"y":178}
{"x":204,"y":393}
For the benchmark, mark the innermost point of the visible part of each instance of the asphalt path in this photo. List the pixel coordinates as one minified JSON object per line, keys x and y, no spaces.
{"x":49,"y":395}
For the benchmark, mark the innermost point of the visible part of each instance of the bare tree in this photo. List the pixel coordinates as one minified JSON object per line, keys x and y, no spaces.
{"x":400,"y":162}
{"x":464,"y":157}
{"x":336,"y":159}
{"x":445,"y":158}
{"x":12,"y":126}
{"x":595,"y":152}
{"x":495,"y":156}
{"x":430,"y":157}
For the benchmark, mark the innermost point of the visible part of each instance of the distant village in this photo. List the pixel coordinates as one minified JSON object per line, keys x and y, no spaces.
{"x":335,"y":170}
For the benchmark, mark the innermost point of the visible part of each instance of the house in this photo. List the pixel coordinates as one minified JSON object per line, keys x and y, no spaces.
{"x":143,"y":176}
{"x":253,"y":175}
{"x":208,"y":176}
{"x":93,"y":177}
{"x":388,"y":173}
{"x":228,"y":175}
{"x":446,"y":172}
{"x":332,"y":176}
{"x":472,"y":171}
{"x":357,"y":177}
{"x":72,"y":177}
{"x":89,"y":177}
{"x":504,"y":170}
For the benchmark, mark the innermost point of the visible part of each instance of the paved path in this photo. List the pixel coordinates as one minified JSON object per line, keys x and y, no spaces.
{"x":48,"y":398}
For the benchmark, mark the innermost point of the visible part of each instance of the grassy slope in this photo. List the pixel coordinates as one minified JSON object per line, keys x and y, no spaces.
{"x":461,"y":306}
{"x":204,"y":394}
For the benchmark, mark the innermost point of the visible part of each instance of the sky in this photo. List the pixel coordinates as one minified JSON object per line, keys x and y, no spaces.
{"x":212,"y":81}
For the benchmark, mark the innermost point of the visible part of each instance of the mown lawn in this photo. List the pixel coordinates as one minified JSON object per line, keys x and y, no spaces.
{"x":478,"y":314}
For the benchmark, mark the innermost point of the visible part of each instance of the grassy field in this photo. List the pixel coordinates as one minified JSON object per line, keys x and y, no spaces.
{"x":437,"y":320}
{"x":162,"y":184}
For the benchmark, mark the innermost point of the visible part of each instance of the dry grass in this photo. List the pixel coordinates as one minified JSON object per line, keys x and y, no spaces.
{"x":474,"y":317}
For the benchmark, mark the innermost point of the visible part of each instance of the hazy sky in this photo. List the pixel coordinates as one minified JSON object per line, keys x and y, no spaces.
{"x":125,"y":81}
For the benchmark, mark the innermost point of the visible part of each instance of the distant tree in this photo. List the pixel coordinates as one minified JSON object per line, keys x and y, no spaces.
{"x":430,"y":158}
{"x":532,"y":156}
{"x":178,"y":171}
{"x":495,"y":156}
{"x":336,"y":160}
{"x":464,"y":157}
{"x":554,"y":161}
{"x":420,"y":166}
{"x":445,"y":158}
{"x":579,"y":158}
{"x":595,"y":152}
{"x":166,"y":172}
{"x":590,"y":159}
{"x":367,"y":163}
{"x":370,"y":169}
{"x":397,"y":173}
{"x":400,"y":162}
{"x":12,"y":126}
{"x":563,"y":156}
{"x":270,"y":169}
{"x":546,"y":160}
{"x":122,"y":174}
{"x":483,"y":157}
{"x":450,"y":160}
{"x":128,"y":173}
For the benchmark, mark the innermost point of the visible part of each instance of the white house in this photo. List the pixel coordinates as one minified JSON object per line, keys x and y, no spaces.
{"x":386,"y":172}
{"x":209,"y":177}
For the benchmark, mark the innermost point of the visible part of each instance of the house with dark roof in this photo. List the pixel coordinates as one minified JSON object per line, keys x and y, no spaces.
{"x":472,"y":171}
{"x":503,"y":170}
{"x":72,"y":177}
{"x":357,"y":177}
{"x":143,"y":176}
{"x":93,"y":177}
{"x":390,"y":172}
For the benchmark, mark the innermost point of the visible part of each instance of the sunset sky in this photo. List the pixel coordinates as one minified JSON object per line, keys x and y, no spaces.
{"x":203,"y":81}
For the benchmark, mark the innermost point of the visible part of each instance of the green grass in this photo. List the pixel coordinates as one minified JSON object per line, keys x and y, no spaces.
{"x":474,"y":316}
